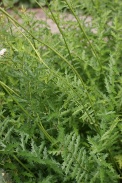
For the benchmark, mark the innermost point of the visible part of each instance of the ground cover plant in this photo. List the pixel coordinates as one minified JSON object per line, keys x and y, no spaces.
{"x":61,"y":96}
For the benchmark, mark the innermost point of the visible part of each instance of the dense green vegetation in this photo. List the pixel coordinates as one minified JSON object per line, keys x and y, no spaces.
{"x":61,"y":95}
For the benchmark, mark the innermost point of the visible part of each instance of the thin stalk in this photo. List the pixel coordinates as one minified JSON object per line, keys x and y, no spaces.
{"x":7,"y":89}
{"x":63,"y":36}
{"x":5,"y":86}
{"x":86,"y":36}
{"x":93,"y":2}
{"x":15,"y":157}
{"x":51,"y":139}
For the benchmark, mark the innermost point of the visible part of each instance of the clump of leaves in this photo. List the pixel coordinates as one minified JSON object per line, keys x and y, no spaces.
{"x":60,"y":97}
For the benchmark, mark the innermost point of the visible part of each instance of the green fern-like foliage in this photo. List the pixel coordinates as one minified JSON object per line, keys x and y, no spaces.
{"x":84,"y":164}
{"x":61,"y":96}
{"x":25,"y":154}
{"x":119,"y":160}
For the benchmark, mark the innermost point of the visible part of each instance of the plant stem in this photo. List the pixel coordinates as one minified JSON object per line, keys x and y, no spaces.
{"x":82,"y":29}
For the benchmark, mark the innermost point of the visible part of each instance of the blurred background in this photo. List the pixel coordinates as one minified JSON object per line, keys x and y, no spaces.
{"x":26,"y":3}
